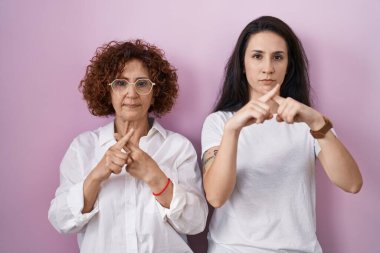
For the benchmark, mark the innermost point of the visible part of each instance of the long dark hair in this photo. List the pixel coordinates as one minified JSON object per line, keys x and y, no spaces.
{"x":235,"y":90}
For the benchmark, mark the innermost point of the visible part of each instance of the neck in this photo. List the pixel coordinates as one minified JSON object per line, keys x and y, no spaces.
{"x":122,"y":126}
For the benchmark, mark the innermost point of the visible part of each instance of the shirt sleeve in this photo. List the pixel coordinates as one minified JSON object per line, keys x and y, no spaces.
{"x":188,"y":210}
{"x":65,"y":212}
{"x":212,"y":130}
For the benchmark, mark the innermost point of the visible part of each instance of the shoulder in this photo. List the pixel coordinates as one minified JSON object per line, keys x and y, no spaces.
{"x":219,"y":117}
{"x":90,"y":139}
{"x":178,"y":140}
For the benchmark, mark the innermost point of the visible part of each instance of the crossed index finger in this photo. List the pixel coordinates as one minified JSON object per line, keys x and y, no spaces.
{"x":270,"y":94}
{"x":278,"y":99}
{"x":121,"y":143}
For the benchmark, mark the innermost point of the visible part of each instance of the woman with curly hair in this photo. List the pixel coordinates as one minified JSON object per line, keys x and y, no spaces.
{"x":130,"y":186}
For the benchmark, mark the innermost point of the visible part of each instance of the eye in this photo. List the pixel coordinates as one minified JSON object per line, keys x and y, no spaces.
{"x":257,"y":56}
{"x":120,"y":83}
{"x":278,"y":57}
{"x":142,"y":83}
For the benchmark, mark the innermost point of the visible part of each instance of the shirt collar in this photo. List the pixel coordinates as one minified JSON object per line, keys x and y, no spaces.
{"x":157,"y":127}
{"x":106,"y":132}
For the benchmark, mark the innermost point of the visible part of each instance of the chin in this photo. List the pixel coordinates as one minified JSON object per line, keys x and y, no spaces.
{"x":132,"y":116}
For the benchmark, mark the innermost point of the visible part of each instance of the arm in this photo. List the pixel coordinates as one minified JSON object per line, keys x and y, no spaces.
{"x":112,"y":162}
{"x":338,"y":163}
{"x":75,"y":202}
{"x":219,"y":176}
{"x":182,"y":203}
{"x":188,"y":210}
{"x":220,"y":171}
{"x":65,"y":209}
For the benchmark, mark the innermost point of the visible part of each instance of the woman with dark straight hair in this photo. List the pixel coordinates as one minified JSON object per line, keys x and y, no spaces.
{"x":260,"y":145}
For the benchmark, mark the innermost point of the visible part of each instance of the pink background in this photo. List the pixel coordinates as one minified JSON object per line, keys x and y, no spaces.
{"x":45,"y":47}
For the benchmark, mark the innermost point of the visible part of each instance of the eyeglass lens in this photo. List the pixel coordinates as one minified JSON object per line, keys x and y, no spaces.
{"x":142,"y":86}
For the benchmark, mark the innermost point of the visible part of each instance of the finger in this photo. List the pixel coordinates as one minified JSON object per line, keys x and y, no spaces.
{"x":288,"y":113}
{"x":116,"y":169}
{"x":263,"y":105}
{"x":279,"y":119}
{"x":270,"y":94}
{"x":130,"y":160}
{"x":121,"y":143}
{"x":292,"y":115}
{"x":117,"y":136}
{"x":259,"y":117}
{"x":282,"y":108}
{"x":278,"y":99}
{"x":118,"y":161}
{"x":132,"y":147}
{"x":125,"y":150}
{"x":121,"y":154}
{"x":258,"y":108}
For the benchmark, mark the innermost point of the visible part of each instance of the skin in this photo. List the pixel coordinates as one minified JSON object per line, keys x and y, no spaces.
{"x":265,"y":63}
{"x":131,"y":123}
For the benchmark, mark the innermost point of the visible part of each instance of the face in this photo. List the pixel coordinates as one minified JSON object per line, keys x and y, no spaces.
{"x":265,"y":62}
{"x":129,"y":105}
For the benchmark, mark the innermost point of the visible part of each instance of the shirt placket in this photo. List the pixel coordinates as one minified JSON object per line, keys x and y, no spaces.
{"x":130,"y":212}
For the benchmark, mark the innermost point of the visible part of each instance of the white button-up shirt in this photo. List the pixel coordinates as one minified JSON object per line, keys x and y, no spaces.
{"x":126,"y":216}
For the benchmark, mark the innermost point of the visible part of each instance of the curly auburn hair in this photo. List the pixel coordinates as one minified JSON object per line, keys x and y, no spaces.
{"x":108,"y":64}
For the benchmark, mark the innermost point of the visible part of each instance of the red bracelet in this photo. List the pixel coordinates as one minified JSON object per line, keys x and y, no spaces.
{"x":166,"y":186}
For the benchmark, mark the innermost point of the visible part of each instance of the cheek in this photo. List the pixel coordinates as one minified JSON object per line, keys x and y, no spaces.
{"x":252,"y":68}
{"x":116,"y":101}
{"x":148,"y":101}
{"x":282,"y":68}
{"x":251,"y":72}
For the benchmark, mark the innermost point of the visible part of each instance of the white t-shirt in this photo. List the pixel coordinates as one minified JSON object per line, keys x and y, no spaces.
{"x":272,"y":207}
{"x":126,"y":216}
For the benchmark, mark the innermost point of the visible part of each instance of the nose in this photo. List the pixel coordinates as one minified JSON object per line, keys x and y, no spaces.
{"x":131,"y":91}
{"x":268,"y":67}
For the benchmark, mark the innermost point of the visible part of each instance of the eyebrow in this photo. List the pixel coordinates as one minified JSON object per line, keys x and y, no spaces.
{"x":260,"y":51}
{"x":137,"y":78}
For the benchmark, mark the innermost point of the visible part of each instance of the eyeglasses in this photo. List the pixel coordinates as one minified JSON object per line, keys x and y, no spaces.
{"x":142,"y":86}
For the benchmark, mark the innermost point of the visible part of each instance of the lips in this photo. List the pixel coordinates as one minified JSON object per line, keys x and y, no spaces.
{"x":267,"y":81}
{"x":131,"y":105}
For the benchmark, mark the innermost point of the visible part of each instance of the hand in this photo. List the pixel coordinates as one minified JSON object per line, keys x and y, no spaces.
{"x":255,"y":111}
{"x":140,"y":165}
{"x":113,"y":160}
{"x":291,"y":111}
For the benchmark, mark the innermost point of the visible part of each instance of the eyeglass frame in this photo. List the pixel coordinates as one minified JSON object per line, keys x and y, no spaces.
{"x":134,"y":85}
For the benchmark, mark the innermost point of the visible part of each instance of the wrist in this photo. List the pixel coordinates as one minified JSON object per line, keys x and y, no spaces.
{"x":154,"y":176}
{"x":230,"y":129}
{"x":316,"y":123}
{"x":322,"y":131}
{"x":93,"y":179}
{"x":157,"y":182}
{"x":96,"y":177}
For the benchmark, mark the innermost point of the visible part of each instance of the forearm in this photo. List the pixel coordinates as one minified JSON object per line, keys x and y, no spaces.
{"x":158,"y":185}
{"x":188,"y":209}
{"x":65,"y":209}
{"x":339,"y":165}
{"x":220,"y":177}
{"x":91,"y":188}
